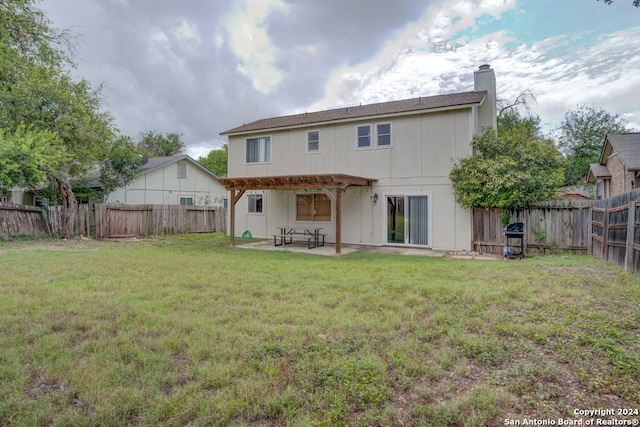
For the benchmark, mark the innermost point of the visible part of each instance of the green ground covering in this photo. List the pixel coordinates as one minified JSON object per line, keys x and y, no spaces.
{"x":187,"y":331}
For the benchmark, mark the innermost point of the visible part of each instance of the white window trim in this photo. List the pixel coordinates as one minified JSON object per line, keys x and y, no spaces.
{"x":319,"y":142}
{"x":383,"y":208}
{"x":248,"y":203}
{"x":189,"y":196}
{"x":371,"y":136}
{"x":390,"y":135}
{"x":258,"y":137}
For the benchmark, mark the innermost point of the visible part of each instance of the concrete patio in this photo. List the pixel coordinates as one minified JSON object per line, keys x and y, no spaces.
{"x":330,"y":250}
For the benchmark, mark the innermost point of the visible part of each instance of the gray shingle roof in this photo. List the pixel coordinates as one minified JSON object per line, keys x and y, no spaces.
{"x":627,"y":145}
{"x":596,"y":171}
{"x":362,"y":111}
{"x":154,"y":163}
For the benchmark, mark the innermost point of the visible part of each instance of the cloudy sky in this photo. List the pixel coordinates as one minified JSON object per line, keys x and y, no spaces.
{"x":199,"y":67}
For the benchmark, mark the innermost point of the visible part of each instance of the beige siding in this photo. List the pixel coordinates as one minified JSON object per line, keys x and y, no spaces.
{"x":422,"y":153}
{"x":423,"y":145}
{"x":162,"y":186}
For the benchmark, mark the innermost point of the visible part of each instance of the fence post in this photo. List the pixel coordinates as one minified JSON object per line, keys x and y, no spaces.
{"x":631,"y":228}
{"x":588,"y":230}
{"x":605,"y":235}
{"x":525,"y":239}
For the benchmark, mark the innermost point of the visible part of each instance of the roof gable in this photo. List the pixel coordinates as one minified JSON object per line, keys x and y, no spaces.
{"x":456,"y":100}
{"x":155,"y":163}
{"x":627,"y":145}
{"x":597,"y":171}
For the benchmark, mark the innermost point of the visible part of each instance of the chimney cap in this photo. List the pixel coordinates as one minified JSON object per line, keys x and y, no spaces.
{"x":485,"y":67}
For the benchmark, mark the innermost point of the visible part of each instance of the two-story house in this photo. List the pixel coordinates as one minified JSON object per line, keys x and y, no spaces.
{"x":369,"y":175}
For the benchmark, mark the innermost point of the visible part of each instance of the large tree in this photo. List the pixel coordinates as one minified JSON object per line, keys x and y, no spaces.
{"x":121,"y":165}
{"x":581,"y":135}
{"x":38,"y":91}
{"x":217,"y":160}
{"x":155,"y":144}
{"x":510,"y":168}
{"x":27,"y":157}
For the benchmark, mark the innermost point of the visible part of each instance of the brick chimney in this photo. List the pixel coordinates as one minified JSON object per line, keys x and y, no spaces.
{"x":485,"y":79}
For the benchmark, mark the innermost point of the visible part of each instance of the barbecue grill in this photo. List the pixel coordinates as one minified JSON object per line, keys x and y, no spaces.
{"x":514,"y":233}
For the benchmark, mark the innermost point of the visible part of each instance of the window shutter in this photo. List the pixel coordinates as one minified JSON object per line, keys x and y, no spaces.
{"x":182,"y":171}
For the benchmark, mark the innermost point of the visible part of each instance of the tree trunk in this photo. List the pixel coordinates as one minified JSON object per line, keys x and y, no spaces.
{"x":69,"y":206}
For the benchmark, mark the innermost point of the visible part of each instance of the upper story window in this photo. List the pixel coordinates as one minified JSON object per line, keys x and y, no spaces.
{"x":383,"y":134}
{"x":378,"y":132}
{"x":313,"y":141}
{"x":364,"y":136}
{"x":258,"y":150}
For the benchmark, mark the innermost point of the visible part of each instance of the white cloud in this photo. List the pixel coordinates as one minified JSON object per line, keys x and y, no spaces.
{"x":187,"y":32}
{"x":160,"y":37}
{"x":415,"y":62}
{"x":562,"y":72}
{"x":249,"y":41}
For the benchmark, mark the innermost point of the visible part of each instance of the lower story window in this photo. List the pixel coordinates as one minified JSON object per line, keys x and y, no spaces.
{"x":186,"y":201}
{"x":599,"y":190}
{"x":255,"y":203}
{"x":313,"y":207}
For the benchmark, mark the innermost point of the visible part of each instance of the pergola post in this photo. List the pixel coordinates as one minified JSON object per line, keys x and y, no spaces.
{"x":338,"y":221}
{"x":232,"y":215}
{"x":232,"y":219}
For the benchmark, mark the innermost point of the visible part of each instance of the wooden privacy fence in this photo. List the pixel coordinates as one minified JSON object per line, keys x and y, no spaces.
{"x":83,"y":224}
{"x":20,"y":220}
{"x":615,"y":234}
{"x":548,"y":226}
{"x":105,"y":221}
{"x":608,"y":229}
{"x":136,"y":220}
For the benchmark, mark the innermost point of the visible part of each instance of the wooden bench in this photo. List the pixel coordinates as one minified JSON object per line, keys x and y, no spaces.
{"x":287,"y":239}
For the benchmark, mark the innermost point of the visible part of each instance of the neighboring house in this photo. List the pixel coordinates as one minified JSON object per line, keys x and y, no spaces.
{"x":618,"y":170}
{"x":177,"y":180}
{"x":370,"y":175}
{"x":18,"y":196}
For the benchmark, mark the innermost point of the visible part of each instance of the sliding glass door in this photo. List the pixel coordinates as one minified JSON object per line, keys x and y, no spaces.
{"x":417,"y":232}
{"x":408,"y":220}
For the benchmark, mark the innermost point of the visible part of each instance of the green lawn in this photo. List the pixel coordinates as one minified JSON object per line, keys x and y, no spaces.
{"x":186,"y":331}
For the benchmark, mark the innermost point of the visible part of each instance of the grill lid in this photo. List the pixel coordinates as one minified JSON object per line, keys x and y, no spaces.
{"x":515,"y":229}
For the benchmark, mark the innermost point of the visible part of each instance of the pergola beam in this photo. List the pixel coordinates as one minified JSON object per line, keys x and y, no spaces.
{"x":324,"y":182}
{"x":295,"y":182}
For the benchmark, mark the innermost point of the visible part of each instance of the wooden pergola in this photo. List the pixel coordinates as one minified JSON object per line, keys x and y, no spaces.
{"x":324,"y":183}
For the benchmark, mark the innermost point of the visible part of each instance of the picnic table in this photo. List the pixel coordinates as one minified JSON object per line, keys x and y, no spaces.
{"x":288,"y":234}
